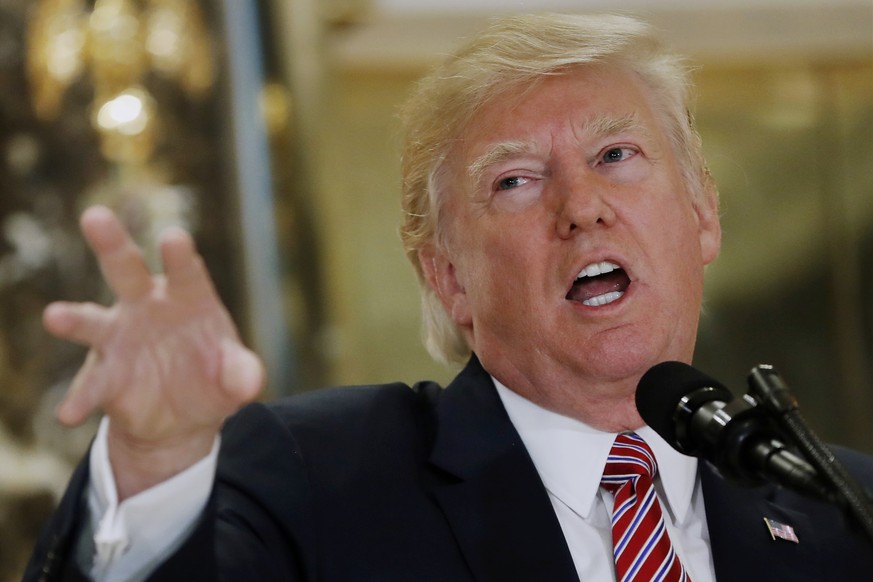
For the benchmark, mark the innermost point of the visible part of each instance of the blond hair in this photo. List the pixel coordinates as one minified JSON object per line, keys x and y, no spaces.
{"x":512,"y":55}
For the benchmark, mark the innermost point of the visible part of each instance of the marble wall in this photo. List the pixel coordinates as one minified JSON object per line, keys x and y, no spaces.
{"x":51,"y":167}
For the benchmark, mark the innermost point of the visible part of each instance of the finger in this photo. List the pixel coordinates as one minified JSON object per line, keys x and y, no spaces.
{"x":242,"y":372}
{"x":121,"y":260}
{"x":83,"y":323}
{"x":85,"y":394}
{"x":185,"y":271}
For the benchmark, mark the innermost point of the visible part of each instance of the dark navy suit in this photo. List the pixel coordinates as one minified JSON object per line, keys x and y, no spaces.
{"x":388,"y":483}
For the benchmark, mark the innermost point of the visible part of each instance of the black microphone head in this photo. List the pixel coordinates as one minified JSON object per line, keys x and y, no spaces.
{"x":660,"y":393}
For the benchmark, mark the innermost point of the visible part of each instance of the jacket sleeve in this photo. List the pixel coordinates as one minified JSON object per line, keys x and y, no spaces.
{"x":257,"y":523}
{"x":53,"y":556}
{"x":254,"y":527}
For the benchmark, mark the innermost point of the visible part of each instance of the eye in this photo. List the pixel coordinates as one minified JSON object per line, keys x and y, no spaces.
{"x":617,"y":154}
{"x":511,"y":182}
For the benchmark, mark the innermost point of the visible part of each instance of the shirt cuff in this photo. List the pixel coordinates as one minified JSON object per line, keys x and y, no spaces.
{"x":132,"y":537}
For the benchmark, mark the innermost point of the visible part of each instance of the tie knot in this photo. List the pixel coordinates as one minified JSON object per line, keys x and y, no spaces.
{"x":629,"y":459}
{"x":642,"y":548}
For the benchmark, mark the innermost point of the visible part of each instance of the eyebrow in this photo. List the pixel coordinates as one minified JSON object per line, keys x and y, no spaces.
{"x":603,"y":126}
{"x":599,"y":127}
{"x":496,"y":154}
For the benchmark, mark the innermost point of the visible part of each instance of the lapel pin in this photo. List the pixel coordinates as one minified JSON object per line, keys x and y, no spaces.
{"x":781,"y":530}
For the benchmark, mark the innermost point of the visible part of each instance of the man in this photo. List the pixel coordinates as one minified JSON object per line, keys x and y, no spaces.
{"x":560,"y":215}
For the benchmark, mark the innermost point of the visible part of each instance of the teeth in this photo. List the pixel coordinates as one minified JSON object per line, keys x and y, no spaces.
{"x":603,"y":299}
{"x":595,"y":269}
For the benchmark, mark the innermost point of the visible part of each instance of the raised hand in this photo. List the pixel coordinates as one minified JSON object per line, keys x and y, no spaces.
{"x":165,"y":361}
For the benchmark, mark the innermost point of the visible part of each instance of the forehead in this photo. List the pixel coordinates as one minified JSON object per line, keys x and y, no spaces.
{"x":587,"y":103}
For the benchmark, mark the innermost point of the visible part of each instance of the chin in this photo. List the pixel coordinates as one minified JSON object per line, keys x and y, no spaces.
{"x":626,"y":360}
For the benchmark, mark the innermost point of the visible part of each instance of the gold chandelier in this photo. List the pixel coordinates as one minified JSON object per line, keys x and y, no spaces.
{"x":117,"y":44}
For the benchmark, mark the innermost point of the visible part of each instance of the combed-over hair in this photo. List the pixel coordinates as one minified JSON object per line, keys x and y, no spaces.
{"x":510,"y":56}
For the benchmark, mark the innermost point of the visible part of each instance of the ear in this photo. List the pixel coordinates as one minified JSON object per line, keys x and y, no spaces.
{"x":442,"y":276}
{"x":709,"y":225}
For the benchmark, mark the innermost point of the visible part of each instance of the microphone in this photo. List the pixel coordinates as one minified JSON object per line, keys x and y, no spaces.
{"x":700,"y":417}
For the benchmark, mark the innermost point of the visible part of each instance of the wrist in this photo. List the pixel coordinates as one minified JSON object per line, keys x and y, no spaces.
{"x":138,"y":465}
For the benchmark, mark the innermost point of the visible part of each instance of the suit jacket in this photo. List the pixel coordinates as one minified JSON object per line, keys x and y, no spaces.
{"x":388,"y":483}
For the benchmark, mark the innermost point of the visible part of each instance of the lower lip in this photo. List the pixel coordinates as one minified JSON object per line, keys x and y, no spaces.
{"x":609,"y":307}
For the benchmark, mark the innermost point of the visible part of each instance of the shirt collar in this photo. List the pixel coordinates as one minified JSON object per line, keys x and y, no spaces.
{"x":570,"y":455}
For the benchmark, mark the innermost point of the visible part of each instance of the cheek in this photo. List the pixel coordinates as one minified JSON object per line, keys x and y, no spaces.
{"x":497,"y":273}
{"x":673,"y":219}
{"x":669,"y":236}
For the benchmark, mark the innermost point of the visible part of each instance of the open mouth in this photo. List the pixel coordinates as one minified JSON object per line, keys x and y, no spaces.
{"x":599,"y":284}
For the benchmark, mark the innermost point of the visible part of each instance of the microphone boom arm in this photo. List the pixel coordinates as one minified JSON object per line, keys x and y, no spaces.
{"x":768,"y":389}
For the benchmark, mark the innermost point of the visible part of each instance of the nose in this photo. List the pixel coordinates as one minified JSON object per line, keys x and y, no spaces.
{"x":583,"y":204}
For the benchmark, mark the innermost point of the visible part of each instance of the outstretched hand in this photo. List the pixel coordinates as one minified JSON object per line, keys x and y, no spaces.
{"x":165,"y":361}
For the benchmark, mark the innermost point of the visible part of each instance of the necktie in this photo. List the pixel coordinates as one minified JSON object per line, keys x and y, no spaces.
{"x":643,"y":551}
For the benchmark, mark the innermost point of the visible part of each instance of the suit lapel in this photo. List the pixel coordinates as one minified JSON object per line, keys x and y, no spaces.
{"x":742,"y":547}
{"x":489,"y":490}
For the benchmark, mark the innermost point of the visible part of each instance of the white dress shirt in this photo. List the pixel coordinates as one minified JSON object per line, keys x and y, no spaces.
{"x":570,"y":457}
{"x":130,"y":538}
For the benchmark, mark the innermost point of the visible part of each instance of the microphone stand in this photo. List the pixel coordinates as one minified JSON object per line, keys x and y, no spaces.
{"x":766,"y":386}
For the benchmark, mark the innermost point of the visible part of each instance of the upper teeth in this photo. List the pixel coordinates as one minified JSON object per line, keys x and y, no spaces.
{"x":595,"y":269}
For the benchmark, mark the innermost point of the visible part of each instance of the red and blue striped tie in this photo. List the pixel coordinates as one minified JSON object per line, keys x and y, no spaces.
{"x":643,"y":551}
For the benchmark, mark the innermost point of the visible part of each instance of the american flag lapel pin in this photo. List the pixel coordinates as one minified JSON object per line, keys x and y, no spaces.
{"x":781,"y":530}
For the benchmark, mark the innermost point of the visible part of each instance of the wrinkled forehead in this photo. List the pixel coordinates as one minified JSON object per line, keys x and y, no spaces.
{"x":589,"y":105}
{"x":581,"y":84}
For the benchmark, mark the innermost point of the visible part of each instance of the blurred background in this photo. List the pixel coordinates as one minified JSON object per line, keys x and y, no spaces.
{"x":269,"y":129}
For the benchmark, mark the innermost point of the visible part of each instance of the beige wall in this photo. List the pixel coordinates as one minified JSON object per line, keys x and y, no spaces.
{"x":373,"y":307}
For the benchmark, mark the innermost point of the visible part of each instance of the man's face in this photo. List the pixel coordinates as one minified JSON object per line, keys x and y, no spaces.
{"x":575,"y":255}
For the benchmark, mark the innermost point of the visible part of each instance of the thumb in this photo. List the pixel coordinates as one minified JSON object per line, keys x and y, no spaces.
{"x":242,"y":372}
